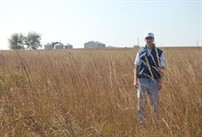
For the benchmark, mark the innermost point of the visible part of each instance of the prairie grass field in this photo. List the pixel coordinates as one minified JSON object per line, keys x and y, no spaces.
{"x":90,"y":93}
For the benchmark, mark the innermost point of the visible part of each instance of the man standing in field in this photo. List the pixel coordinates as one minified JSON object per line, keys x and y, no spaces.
{"x":148,"y":73}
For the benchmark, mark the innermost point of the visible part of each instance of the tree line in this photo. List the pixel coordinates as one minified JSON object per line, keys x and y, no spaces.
{"x":19,"y":41}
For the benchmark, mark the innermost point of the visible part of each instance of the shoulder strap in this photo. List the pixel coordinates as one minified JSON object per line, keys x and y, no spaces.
{"x":142,"y":50}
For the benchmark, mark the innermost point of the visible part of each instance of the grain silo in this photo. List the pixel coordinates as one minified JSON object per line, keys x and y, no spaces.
{"x":68,"y":46}
{"x":58,"y":46}
{"x":48,"y":46}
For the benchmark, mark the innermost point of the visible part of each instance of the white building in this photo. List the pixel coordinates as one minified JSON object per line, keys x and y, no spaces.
{"x":94,"y":44}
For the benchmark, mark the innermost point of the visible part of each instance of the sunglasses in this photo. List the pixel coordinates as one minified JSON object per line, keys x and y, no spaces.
{"x":147,"y":38}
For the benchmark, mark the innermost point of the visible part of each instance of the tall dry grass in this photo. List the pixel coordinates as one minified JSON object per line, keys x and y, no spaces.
{"x":89,"y":93}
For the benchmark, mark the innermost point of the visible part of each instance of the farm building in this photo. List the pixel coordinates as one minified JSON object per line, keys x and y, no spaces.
{"x":49,"y":46}
{"x":68,"y":46}
{"x":58,"y":46}
{"x":94,"y":44}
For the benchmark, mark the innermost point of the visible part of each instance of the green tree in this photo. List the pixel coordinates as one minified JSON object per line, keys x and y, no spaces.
{"x":32,"y":41}
{"x":16,"y":41}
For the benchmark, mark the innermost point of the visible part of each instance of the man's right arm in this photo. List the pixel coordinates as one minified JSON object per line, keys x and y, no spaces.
{"x":136,"y":63}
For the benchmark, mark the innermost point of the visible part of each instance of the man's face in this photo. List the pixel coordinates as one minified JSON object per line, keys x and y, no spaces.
{"x":149,"y":40}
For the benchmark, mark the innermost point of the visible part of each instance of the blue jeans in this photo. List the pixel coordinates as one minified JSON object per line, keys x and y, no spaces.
{"x":148,"y":88}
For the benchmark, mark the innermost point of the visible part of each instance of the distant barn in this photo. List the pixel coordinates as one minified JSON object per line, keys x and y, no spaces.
{"x":94,"y":44}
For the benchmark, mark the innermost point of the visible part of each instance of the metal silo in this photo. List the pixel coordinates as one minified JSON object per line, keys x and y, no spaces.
{"x":58,"y":46}
{"x":48,"y":46}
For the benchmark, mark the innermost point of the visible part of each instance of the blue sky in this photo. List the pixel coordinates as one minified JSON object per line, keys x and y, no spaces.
{"x":113,"y":22}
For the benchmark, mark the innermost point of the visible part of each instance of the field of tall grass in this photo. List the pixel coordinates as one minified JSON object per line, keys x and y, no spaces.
{"x":90,"y":93}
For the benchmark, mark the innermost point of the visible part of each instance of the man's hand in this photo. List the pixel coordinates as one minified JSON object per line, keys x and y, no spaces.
{"x":136,"y":85}
{"x":159,"y":86}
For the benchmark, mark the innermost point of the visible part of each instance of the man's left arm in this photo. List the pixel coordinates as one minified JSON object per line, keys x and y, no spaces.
{"x":162,"y":69}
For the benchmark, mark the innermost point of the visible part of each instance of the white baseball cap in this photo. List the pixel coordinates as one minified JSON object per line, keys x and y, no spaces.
{"x":149,"y":34}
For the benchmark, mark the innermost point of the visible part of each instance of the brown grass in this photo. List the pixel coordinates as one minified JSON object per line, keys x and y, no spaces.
{"x":89,"y":93}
